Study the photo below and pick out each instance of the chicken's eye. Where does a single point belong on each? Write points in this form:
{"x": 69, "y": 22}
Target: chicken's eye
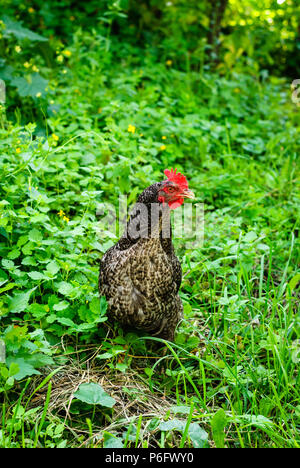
{"x": 171, "y": 189}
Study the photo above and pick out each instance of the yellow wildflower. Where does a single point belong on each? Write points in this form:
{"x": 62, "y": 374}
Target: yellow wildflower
{"x": 169, "y": 63}
{"x": 164, "y": 137}
{"x": 60, "y": 58}
{"x": 163, "y": 147}
{"x": 35, "y": 68}
{"x": 38, "y": 95}
{"x": 65, "y": 218}
{"x": 131, "y": 128}
{"x": 67, "y": 53}
{"x": 61, "y": 213}
{"x": 18, "y": 49}
{"x": 18, "y": 150}
{"x": 27, "y": 65}
{"x": 31, "y": 10}
{"x": 55, "y": 137}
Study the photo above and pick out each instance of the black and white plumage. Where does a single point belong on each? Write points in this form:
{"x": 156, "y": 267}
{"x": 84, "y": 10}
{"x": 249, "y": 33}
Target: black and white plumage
{"x": 140, "y": 275}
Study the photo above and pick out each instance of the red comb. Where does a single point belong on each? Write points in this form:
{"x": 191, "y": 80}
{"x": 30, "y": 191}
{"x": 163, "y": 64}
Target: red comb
{"x": 176, "y": 177}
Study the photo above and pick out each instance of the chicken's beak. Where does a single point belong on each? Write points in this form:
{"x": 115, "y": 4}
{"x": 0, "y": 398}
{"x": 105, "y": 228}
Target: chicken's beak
{"x": 188, "y": 194}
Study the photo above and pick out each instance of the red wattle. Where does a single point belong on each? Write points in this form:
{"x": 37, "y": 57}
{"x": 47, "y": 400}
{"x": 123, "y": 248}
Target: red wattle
{"x": 176, "y": 203}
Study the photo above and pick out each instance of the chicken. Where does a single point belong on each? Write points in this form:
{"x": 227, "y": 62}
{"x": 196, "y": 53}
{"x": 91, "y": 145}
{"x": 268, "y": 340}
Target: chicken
{"x": 140, "y": 275}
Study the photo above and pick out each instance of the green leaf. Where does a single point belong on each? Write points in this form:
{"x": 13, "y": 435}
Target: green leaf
{"x": 25, "y": 368}
{"x": 8, "y": 264}
{"x": 37, "y": 310}
{"x": 93, "y": 394}
{"x": 112, "y": 442}
{"x": 180, "y": 409}
{"x": 293, "y": 282}
{"x": 121, "y": 366}
{"x": 104, "y": 356}
{"x": 65, "y": 288}
{"x": 20, "y": 301}
{"x": 3, "y": 232}
{"x": 218, "y": 424}
{"x": 66, "y": 321}
{"x": 52, "y": 268}
{"x": 35, "y": 236}
{"x": 31, "y": 85}
{"x": 36, "y": 275}
{"x": 7, "y": 287}
{"x": 61, "y": 305}
{"x": 250, "y": 236}
{"x": 29, "y": 261}
{"x": 257, "y": 421}
{"x": 13, "y": 369}
{"x": 172, "y": 424}
{"x": 16, "y": 29}
{"x": 198, "y": 435}
{"x": 95, "y": 306}
{"x": 2, "y": 351}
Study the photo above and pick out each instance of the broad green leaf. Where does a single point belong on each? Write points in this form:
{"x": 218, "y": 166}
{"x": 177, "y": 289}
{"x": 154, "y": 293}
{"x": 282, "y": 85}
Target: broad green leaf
{"x": 32, "y": 85}
{"x": 95, "y": 306}
{"x": 25, "y": 368}
{"x": 93, "y": 394}
{"x": 35, "y": 236}
{"x": 218, "y": 424}
{"x": 8, "y": 264}
{"x": 65, "y": 288}
{"x": 7, "y": 287}
{"x": 198, "y": 435}
{"x": 104, "y": 356}
{"x": 66, "y": 321}
{"x": 61, "y": 305}
{"x": 293, "y": 282}
{"x": 29, "y": 261}
{"x": 172, "y": 424}
{"x": 3, "y": 232}
{"x": 16, "y": 29}
{"x": 121, "y": 366}
{"x": 112, "y": 442}
{"x": 36, "y": 275}
{"x": 250, "y": 236}
{"x": 20, "y": 301}
{"x": 52, "y": 268}
{"x": 180, "y": 409}
{"x": 258, "y": 421}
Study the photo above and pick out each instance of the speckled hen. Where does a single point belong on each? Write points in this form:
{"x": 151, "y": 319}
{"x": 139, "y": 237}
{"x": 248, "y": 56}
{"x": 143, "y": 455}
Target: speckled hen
{"x": 140, "y": 275}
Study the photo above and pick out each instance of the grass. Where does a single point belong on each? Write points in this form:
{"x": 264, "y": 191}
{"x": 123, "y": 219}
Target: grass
{"x": 231, "y": 377}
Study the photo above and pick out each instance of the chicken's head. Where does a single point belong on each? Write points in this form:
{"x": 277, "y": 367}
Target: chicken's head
{"x": 174, "y": 190}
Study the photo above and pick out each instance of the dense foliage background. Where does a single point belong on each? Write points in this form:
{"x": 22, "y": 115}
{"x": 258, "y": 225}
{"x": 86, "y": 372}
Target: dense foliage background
{"x": 97, "y": 99}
